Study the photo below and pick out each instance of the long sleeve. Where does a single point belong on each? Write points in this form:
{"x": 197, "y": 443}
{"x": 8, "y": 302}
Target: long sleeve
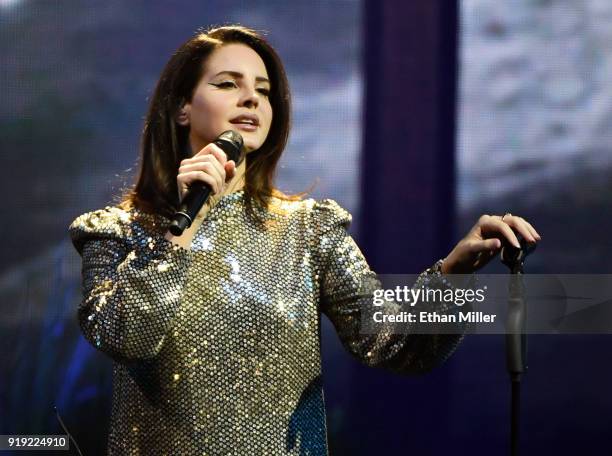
{"x": 132, "y": 282}
{"x": 347, "y": 286}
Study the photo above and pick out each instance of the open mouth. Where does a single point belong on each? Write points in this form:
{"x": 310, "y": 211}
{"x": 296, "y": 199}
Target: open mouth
{"x": 246, "y": 120}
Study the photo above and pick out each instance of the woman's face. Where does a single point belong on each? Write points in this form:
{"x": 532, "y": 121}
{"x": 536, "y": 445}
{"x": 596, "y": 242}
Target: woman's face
{"x": 231, "y": 95}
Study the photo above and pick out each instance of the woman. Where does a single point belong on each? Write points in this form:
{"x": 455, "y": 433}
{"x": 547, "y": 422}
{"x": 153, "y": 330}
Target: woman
{"x": 215, "y": 333}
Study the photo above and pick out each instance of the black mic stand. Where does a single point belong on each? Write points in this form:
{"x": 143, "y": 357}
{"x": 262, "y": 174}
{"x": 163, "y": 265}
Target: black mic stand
{"x": 516, "y": 338}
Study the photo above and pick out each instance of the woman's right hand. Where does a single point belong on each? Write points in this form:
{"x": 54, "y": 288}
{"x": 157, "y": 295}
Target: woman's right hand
{"x": 210, "y": 165}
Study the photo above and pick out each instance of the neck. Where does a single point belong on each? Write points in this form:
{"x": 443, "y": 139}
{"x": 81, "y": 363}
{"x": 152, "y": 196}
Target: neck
{"x": 234, "y": 185}
{"x": 237, "y": 182}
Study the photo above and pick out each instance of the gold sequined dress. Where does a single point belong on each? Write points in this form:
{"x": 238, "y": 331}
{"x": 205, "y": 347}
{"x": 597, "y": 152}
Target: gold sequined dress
{"x": 217, "y": 349}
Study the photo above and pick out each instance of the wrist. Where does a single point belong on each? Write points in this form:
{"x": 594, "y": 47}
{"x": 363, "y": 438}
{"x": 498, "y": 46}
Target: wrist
{"x": 444, "y": 266}
{"x": 457, "y": 279}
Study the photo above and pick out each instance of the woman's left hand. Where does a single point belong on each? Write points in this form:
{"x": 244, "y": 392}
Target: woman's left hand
{"x": 484, "y": 242}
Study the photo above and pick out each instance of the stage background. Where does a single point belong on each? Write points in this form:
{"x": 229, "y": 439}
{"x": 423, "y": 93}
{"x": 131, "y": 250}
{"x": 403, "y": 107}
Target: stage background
{"x": 415, "y": 116}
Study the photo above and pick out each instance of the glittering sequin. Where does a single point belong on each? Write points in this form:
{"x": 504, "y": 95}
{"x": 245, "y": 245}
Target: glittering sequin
{"x": 216, "y": 348}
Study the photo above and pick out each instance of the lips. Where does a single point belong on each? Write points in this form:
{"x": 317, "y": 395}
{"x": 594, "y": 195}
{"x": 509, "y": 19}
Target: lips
{"x": 247, "y": 119}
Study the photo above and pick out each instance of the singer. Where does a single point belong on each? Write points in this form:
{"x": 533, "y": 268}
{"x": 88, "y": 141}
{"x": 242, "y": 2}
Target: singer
{"x": 215, "y": 333}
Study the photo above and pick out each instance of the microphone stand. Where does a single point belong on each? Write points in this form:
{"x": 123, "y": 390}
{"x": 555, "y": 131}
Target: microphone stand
{"x": 516, "y": 338}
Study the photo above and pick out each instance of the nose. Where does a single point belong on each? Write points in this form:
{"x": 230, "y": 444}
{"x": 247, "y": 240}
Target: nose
{"x": 249, "y": 98}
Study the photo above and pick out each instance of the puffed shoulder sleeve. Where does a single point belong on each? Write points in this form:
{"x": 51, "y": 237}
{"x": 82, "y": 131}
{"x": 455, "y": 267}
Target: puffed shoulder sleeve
{"x": 347, "y": 285}
{"x": 132, "y": 282}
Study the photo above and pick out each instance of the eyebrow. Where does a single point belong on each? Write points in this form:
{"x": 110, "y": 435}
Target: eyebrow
{"x": 239, "y": 75}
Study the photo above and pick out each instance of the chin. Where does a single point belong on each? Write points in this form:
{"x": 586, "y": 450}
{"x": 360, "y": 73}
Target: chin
{"x": 251, "y": 146}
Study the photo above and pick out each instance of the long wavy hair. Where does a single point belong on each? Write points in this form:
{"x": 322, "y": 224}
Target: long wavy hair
{"x": 164, "y": 142}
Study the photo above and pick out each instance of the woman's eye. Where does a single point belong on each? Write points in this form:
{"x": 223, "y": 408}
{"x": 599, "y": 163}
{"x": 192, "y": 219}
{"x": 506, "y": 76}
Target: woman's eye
{"x": 232, "y": 84}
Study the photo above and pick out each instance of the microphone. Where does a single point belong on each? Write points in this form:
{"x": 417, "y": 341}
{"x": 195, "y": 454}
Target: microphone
{"x": 515, "y": 258}
{"x": 231, "y": 143}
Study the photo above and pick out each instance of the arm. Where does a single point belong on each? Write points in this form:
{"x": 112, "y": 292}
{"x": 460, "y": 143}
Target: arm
{"x": 347, "y": 285}
{"x": 132, "y": 283}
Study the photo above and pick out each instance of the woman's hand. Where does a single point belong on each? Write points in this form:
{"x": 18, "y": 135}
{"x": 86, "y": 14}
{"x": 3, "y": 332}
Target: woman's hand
{"x": 210, "y": 165}
{"x": 484, "y": 242}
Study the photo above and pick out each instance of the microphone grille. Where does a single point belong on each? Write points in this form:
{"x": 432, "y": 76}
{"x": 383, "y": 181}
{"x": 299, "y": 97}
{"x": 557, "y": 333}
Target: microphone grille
{"x": 231, "y": 142}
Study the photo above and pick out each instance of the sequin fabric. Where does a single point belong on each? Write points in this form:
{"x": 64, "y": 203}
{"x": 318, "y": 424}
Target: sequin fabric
{"x": 216, "y": 348}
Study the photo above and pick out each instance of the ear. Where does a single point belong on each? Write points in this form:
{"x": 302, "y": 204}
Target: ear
{"x": 184, "y": 114}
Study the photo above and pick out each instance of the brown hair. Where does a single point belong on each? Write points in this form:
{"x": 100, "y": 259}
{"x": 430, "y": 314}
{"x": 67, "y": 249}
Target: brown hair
{"x": 163, "y": 141}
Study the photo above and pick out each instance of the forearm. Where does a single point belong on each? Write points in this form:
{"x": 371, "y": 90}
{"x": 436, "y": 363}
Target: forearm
{"x": 402, "y": 346}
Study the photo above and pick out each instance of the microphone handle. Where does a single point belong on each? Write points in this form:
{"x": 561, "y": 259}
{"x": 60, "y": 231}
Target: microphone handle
{"x": 192, "y": 203}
